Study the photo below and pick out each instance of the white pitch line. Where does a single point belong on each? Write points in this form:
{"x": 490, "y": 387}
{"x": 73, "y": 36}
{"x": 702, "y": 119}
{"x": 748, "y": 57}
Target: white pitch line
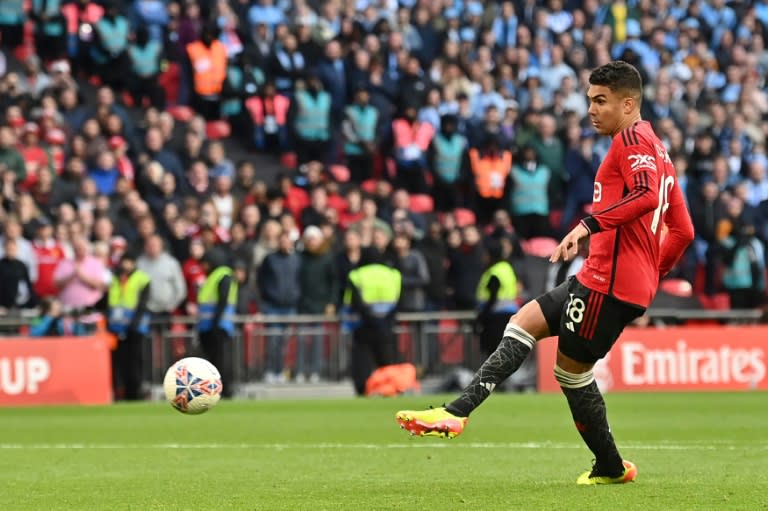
{"x": 406, "y": 445}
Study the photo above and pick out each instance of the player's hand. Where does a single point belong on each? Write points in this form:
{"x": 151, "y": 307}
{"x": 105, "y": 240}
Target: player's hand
{"x": 569, "y": 247}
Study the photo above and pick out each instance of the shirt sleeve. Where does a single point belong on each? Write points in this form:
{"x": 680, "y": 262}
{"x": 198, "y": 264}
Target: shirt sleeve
{"x": 680, "y": 231}
{"x": 638, "y": 167}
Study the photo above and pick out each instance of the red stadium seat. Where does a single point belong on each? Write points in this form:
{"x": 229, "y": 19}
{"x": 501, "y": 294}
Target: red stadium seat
{"x": 716, "y": 302}
{"x": 422, "y": 203}
{"x": 540, "y": 246}
{"x": 170, "y": 81}
{"x": 340, "y": 173}
{"x": 216, "y": 130}
{"x": 289, "y": 161}
{"x": 464, "y": 217}
{"x": 677, "y": 287}
{"x": 181, "y": 113}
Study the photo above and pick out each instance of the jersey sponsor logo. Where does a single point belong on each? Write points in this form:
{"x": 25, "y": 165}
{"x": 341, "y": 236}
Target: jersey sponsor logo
{"x": 642, "y": 161}
{"x": 597, "y": 194}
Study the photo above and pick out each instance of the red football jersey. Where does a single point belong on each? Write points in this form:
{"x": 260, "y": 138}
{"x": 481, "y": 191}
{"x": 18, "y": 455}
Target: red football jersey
{"x": 635, "y": 194}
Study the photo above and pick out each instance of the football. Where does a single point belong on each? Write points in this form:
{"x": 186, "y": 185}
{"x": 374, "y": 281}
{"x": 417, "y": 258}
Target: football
{"x": 192, "y": 385}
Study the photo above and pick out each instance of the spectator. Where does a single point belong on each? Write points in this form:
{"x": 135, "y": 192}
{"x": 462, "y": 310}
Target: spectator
{"x": 466, "y": 266}
{"x": 332, "y": 73}
{"x": 310, "y": 116}
{"x": 49, "y": 254}
{"x": 279, "y": 289}
{"x": 359, "y": 130}
{"x": 81, "y": 281}
{"x": 435, "y": 252}
{"x": 287, "y": 65}
{"x": 551, "y": 154}
{"x": 169, "y": 289}
{"x": 11, "y": 160}
{"x": 17, "y": 291}
{"x": 219, "y": 164}
{"x": 269, "y": 114}
{"x": 414, "y": 271}
{"x": 111, "y": 43}
{"x": 529, "y": 199}
{"x": 448, "y": 159}
{"x": 319, "y": 285}
{"x": 208, "y": 67}
{"x": 490, "y": 170}
{"x": 24, "y": 250}
{"x": 194, "y": 274}
{"x": 145, "y": 57}
{"x": 411, "y": 140}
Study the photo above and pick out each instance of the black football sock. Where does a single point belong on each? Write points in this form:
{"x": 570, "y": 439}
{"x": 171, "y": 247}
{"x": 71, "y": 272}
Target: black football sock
{"x": 589, "y": 415}
{"x": 511, "y": 352}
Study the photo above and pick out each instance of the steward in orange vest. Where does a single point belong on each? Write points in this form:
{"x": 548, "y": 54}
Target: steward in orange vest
{"x": 208, "y": 64}
{"x": 490, "y": 168}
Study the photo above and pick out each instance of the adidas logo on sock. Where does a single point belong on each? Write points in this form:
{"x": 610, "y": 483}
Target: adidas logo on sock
{"x": 489, "y": 386}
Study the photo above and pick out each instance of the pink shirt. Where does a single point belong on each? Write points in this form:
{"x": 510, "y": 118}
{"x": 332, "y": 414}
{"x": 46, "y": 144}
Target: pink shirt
{"x": 76, "y": 293}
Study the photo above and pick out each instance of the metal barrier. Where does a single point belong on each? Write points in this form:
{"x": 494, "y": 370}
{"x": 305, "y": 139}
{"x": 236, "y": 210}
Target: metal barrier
{"x": 432, "y": 341}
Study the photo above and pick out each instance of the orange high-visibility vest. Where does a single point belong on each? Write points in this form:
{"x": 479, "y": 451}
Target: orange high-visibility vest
{"x": 209, "y": 67}
{"x": 490, "y": 173}
{"x": 279, "y": 109}
{"x": 418, "y": 133}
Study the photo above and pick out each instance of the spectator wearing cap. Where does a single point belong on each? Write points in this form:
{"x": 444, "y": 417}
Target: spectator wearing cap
{"x": 319, "y": 284}
{"x": 310, "y": 121}
{"x": 123, "y": 163}
{"x": 360, "y": 133}
{"x": 11, "y": 159}
{"x": 169, "y": 288}
{"x": 145, "y": 56}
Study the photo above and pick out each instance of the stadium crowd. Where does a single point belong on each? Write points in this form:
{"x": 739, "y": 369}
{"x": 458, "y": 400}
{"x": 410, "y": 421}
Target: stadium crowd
{"x": 419, "y": 128}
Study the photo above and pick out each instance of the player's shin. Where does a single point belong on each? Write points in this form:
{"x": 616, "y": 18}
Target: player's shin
{"x": 589, "y": 415}
{"x": 510, "y": 354}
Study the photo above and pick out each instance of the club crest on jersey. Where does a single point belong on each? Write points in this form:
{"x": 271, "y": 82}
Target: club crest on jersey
{"x": 642, "y": 161}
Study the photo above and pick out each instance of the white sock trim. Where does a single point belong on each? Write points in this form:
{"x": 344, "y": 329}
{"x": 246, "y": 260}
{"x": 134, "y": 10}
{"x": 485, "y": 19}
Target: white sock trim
{"x": 515, "y": 332}
{"x": 573, "y": 381}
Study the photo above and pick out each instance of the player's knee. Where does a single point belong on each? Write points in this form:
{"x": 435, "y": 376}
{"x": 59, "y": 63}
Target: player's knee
{"x": 568, "y": 380}
{"x": 531, "y": 320}
{"x": 515, "y": 331}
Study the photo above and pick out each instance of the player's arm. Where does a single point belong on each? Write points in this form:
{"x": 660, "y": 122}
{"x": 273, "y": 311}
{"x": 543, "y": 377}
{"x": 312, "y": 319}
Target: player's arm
{"x": 679, "y": 231}
{"x": 638, "y": 166}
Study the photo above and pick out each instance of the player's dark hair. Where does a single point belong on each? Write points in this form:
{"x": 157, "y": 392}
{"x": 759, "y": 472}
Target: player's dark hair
{"x": 619, "y": 76}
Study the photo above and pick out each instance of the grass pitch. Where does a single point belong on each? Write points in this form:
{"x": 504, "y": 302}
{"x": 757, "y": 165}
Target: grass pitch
{"x": 693, "y": 451}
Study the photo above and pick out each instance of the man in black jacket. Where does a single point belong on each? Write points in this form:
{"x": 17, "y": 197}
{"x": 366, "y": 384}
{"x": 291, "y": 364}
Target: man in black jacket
{"x": 16, "y": 290}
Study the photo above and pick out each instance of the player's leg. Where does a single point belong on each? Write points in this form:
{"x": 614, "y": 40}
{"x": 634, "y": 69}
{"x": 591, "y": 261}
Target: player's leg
{"x": 535, "y": 320}
{"x": 590, "y": 324}
{"x": 589, "y": 415}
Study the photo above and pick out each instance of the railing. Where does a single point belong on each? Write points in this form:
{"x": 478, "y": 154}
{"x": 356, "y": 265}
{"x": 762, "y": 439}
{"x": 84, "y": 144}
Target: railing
{"x": 432, "y": 341}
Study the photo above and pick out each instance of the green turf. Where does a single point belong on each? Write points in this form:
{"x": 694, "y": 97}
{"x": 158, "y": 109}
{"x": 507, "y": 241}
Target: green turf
{"x": 694, "y": 452}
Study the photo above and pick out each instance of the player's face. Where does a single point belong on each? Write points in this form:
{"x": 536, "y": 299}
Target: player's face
{"x": 607, "y": 109}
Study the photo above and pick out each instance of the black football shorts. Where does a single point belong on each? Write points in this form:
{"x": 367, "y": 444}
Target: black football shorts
{"x": 586, "y": 322}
